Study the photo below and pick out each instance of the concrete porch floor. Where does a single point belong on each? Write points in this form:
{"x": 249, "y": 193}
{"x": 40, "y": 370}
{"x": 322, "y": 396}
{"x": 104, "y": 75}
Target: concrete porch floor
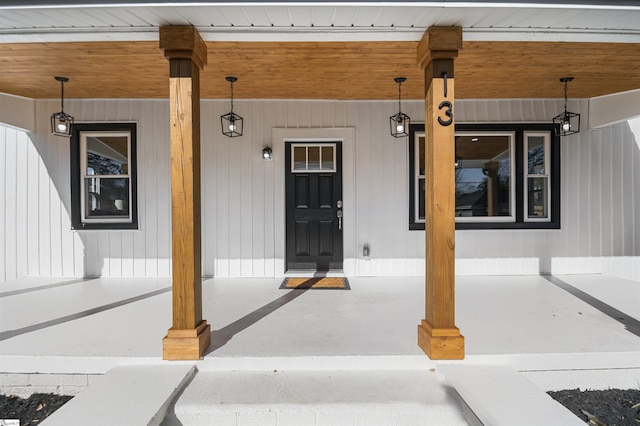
{"x": 581, "y": 331}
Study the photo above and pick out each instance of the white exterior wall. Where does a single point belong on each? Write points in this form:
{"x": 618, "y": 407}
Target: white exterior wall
{"x": 241, "y": 221}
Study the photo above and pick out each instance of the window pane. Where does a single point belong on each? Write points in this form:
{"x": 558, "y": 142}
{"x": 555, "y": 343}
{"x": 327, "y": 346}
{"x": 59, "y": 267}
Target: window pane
{"x": 106, "y": 197}
{"x": 537, "y": 197}
{"x": 421, "y": 168}
{"x": 421, "y": 194}
{"x": 327, "y": 158}
{"x": 314, "y": 158}
{"x": 107, "y": 155}
{"x": 299, "y": 158}
{"x": 483, "y": 182}
{"x": 536, "y": 155}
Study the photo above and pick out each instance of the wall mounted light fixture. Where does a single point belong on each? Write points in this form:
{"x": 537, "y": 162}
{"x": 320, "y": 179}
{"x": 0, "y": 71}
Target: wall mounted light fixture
{"x": 266, "y": 153}
{"x": 569, "y": 122}
{"x": 60, "y": 122}
{"x": 399, "y": 122}
{"x": 231, "y": 122}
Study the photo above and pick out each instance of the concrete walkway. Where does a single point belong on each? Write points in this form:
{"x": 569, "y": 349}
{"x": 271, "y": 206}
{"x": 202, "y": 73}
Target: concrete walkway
{"x": 555, "y": 337}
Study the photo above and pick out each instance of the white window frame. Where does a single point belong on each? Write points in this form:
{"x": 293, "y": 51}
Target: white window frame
{"x": 84, "y": 176}
{"x": 313, "y": 145}
{"x": 547, "y": 174}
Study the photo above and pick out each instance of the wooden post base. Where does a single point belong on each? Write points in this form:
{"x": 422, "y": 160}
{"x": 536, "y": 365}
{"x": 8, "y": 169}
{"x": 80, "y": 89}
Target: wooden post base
{"x": 440, "y": 343}
{"x": 189, "y": 344}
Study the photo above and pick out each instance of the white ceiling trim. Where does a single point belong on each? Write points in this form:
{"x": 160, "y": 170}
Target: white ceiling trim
{"x": 434, "y": 4}
{"x": 318, "y": 34}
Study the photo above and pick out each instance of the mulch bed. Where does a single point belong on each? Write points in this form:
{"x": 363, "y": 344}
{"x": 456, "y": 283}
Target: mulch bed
{"x": 612, "y": 407}
{"x": 33, "y": 410}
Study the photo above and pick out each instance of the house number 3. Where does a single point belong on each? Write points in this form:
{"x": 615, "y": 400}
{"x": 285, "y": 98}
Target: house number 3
{"x": 448, "y": 106}
{"x": 448, "y": 112}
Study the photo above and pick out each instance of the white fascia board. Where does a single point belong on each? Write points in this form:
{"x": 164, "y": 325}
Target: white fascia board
{"x": 610, "y": 109}
{"x": 18, "y": 112}
{"x": 319, "y": 34}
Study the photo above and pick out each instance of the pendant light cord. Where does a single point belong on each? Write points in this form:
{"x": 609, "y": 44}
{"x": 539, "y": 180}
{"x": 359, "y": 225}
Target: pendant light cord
{"x": 62, "y": 96}
{"x": 399, "y": 97}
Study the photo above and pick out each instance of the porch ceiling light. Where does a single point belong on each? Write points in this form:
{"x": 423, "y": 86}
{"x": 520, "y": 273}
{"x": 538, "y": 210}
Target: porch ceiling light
{"x": 569, "y": 122}
{"x": 231, "y": 122}
{"x": 266, "y": 153}
{"x": 399, "y": 122}
{"x": 60, "y": 122}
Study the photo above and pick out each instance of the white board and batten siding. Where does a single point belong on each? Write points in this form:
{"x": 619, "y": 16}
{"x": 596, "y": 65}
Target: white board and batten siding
{"x": 242, "y": 219}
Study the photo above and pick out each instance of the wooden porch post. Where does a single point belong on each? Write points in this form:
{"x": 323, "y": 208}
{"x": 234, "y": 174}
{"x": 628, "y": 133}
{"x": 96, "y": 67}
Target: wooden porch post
{"x": 189, "y": 335}
{"x": 438, "y": 336}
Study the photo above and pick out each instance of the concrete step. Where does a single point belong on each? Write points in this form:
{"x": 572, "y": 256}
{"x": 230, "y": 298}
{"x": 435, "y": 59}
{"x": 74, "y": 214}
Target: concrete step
{"x": 500, "y": 396}
{"x": 318, "y": 398}
{"x": 126, "y": 395}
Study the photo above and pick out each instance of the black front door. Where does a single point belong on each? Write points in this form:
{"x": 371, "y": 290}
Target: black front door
{"x": 314, "y": 205}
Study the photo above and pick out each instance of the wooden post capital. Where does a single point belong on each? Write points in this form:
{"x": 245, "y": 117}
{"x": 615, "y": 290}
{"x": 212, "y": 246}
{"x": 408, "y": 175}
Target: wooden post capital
{"x": 183, "y": 42}
{"x": 439, "y": 43}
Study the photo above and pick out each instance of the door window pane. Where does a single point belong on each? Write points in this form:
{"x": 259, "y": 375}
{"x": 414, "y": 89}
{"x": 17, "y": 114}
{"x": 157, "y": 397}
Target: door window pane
{"x": 299, "y": 158}
{"x": 328, "y": 158}
{"x": 313, "y": 159}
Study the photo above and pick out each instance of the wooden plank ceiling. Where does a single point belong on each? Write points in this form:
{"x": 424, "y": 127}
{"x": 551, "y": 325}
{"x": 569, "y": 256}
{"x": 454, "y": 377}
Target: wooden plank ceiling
{"x": 322, "y": 70}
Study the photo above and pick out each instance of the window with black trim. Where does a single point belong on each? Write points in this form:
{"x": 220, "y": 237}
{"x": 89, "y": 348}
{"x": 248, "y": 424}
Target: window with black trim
{"x": 103, "y": 176}
{"x": 507, "y": 176}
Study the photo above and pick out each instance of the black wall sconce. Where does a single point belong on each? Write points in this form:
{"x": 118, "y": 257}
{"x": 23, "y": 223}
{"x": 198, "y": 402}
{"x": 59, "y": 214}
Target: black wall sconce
{"x": 60, "y": 122}
{"x": 266, "y": 153}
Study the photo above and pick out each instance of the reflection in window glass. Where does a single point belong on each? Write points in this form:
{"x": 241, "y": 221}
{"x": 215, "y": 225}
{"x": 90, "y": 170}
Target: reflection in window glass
{"x": 106, "y": 197}
{"x": 421, "y": 168}
{"x": 105, "y": 177}
{"x": 107, "y": 155}
{"x": 536, "y": 155}
{"x": 537, "y": 197}
{"x": 421, "y": 203}
{"x": 537, "y": 180}
{"x": 483, "y": 178}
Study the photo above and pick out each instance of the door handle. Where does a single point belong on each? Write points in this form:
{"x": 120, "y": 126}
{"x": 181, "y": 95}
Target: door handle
{"x": 339, "y": 220}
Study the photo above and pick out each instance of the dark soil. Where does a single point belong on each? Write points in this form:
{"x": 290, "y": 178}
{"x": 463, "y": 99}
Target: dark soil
{"x": 33, "y": 410}
{"x": 613, "y": 407}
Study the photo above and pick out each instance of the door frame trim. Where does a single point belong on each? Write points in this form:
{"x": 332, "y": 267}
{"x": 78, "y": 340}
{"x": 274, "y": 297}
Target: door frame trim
{"x": 346, "y": 135}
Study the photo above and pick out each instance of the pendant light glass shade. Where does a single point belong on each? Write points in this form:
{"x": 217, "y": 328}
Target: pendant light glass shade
{"x": 231, "y": 122}
{"x": 399, "y": 123}
{"x": 568, "y": 122}
{"x": 61, "y": 123}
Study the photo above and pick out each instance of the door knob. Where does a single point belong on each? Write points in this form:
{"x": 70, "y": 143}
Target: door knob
{"x": 340, "y": 220}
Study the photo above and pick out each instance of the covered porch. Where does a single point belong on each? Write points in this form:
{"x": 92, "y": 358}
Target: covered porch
{"x": 560, "y": 332}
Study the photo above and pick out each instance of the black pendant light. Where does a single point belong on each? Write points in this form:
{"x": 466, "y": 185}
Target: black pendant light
{"x": 60, "y": 122}
{"x": 568, "y": 122}
{"x": 399, "y": 122}
{"x": 231, "y": 122}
